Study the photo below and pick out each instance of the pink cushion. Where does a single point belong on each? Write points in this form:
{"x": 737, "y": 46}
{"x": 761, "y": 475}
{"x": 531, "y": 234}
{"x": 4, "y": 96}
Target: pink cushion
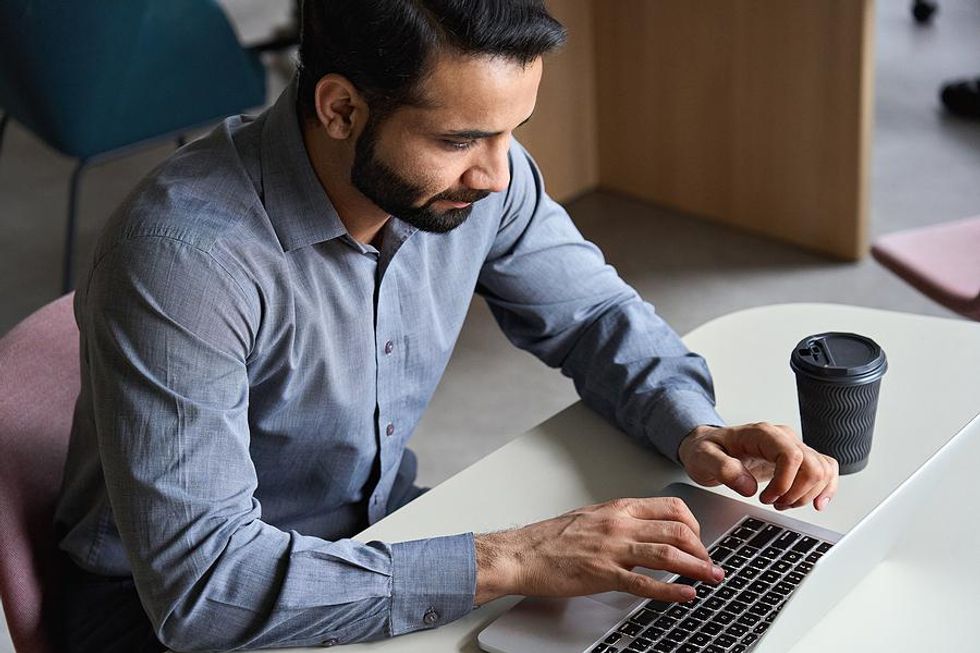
{"x": 943, "y": 261}
{"x": 39, "y": 382}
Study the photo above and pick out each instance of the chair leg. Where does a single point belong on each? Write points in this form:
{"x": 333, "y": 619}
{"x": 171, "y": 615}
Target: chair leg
{"x": 4, "y": 118}
{"x": 67, "y": 281}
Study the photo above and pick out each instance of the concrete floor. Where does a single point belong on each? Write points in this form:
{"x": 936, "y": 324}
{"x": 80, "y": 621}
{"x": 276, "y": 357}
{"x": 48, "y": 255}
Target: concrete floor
{"x": 926, "y": 169}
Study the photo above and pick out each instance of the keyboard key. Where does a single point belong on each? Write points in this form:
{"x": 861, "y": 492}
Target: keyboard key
{"x": 739, "y": 648}
{"x": 771, "y": 552}
{"x": 679, "y": 611}
{"x": 677, "y": 635}
{"x": 766, "y": 535}
{"x": 804, "y": 567}
{"x": 702, "y": 613}
{"x": 602, "y": 648}
{"x": 748, "y": 620}
{"x": 704, "y": 591}
{"x": 737, "y": 607}
{"x": 760, "y": 609}
{"x": 711, "y": 629}
{"x": 792, "y": 556}
{"x": 731, "y": 543}
{"x": 784, "y": 540}
{"x": 749, "y": 639}
{"x": 824, "y": 547}
{"x": 665, "y": 622}
{"x": 657, "y": 606}
{"x": 749, "y": 573}
{"x": 754, "y": 524}
{"x": 783, "y": 588}
{"x": 748, "y": 597}
{"x": 725, "y": 641}
{"x": 719, "y": 553}
{"x": 725, "y": 592}
{"x": 714, "y": 649}
{"x": 653, "y": 633}
{"x": 772, "y": 598}
{"x": 805, "y": 544}
{"x": 691, "y": 624}
{"x": 748, "y": 551}
{"x": 781, "y": 567}
{"x": 644, "y": 617}
{"x": 612, "y": 639}
{"x": 770, "y": 577}
{"x": 725, "y": 618}
{"x": 743, "y": 533}
{"x": 736, "y": 630}
{"x": 714, "y": 603}
{"x": 813, "y": 557}
{"x": 699, "y": 639}
{"x": 760, "y": 628}
{"x": 689, "y": 648}
{"x": 737, "y": 582}
{"x": 642, "y": 644}
{"x": 665, "y": 645}
{"x": 736, "y": 561}
{"x": 759, "y": 563}
{"x": 759, "y": 587}
{"x": 630, "y": 629}
{"x": 793, "y": 578}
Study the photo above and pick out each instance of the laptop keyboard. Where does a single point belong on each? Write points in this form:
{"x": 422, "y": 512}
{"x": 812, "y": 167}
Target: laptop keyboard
{"x": 763, "y": 564}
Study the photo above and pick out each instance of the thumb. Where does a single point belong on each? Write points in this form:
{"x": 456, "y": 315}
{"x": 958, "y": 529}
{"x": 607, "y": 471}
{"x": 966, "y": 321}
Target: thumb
{"x": 715, "y": 466}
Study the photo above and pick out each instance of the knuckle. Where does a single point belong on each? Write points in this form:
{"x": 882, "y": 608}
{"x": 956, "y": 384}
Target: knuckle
{"x": 620, "y": 505}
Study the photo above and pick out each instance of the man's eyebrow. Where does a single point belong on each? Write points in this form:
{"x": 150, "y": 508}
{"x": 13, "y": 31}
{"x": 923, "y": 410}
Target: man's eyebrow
{"x": 473, "y": 134}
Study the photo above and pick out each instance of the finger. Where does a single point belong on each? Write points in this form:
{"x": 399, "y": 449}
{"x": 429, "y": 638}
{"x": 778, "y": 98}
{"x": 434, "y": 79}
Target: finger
{"x": 811, "y": 474}
{"x": 664, "y": 557}
{"x": 779, "y": 447}
{"x": 674, "y": 533}
{"x": 713, "y": 464}
{"x": 661, "y": 509}
{"x": 640, "y": 585}
{"x": 821, "y": 501}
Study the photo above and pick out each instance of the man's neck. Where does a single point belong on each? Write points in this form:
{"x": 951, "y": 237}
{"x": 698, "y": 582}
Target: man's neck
{"x": 332, "y": 162}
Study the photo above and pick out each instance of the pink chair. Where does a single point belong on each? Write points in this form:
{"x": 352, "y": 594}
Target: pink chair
{"x": 39, "y": 382}
{"x": 942, "y": 261}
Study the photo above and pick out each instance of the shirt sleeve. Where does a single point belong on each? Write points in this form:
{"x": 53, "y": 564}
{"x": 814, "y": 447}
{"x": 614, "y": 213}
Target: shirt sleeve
{"x": 553, "y": 295}
{"x": 166, "y": 336}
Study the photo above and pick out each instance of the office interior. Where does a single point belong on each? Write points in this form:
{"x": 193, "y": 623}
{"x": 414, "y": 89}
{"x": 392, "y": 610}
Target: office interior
{"x": 702, "y": 201}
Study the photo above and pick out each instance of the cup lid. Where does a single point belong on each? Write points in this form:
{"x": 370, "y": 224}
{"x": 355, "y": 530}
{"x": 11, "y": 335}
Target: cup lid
{"x": 839, "y": 356}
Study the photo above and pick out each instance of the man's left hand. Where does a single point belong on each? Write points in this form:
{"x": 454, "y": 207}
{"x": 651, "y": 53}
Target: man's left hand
{"x": 741, "y": 457}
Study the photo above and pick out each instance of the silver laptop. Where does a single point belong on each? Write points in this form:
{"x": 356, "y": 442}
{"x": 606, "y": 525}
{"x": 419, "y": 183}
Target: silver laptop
{"x": 782, "y": 576}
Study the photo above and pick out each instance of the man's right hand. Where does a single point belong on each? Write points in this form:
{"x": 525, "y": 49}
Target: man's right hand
{"x": 594, "y": 549}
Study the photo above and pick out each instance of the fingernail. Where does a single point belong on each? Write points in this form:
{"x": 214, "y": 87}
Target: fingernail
{"x": 690, "y": 594}
{"x": 717, "y": 572}
{"x": 780, "y": 507}
{"x": 822, "y": 502}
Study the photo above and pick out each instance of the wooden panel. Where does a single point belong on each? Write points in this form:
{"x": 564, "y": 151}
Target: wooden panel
{"x": 562, "y": 134}
{"x": 756, "y": 113}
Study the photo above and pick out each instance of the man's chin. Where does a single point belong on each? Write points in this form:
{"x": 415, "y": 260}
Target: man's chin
{"x": 440, "y": 222}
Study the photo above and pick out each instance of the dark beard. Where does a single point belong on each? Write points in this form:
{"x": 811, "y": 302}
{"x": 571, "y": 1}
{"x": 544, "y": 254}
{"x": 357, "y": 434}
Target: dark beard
{"x": 397, "y": 196}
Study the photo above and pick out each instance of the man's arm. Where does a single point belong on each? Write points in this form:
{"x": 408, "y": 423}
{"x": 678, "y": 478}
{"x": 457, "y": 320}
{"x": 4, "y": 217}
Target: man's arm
{"x": 166, "y": 334}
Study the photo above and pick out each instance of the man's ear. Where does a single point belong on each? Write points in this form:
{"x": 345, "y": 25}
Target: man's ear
{"x": 340, "y": 108}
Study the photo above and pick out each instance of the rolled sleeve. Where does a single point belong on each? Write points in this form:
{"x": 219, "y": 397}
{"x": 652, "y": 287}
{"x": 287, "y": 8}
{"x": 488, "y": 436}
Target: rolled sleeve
{"x": 433, "y": 582}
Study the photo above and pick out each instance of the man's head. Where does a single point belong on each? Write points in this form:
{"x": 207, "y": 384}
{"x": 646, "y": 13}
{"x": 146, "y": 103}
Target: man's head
{"x": 426, "y": 93}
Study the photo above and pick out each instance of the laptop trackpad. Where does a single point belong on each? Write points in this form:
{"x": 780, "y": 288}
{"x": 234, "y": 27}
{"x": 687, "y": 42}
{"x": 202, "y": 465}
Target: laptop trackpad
{"x": 556, "y": 625}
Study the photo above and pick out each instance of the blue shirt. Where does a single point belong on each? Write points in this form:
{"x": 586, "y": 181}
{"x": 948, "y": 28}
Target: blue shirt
{"x": 251, "y": 376}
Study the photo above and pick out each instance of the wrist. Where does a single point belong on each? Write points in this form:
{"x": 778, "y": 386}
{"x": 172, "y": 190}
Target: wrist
{"x": 690, "y": 439}
{"x": 495, "y": 565}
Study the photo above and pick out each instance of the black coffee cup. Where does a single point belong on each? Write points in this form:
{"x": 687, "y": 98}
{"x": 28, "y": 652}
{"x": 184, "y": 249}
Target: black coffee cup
{"x": 838, "y": 376}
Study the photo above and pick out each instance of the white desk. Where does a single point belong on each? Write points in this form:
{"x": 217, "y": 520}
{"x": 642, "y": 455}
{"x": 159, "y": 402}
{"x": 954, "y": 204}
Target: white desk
{"x": 931, "y": 390}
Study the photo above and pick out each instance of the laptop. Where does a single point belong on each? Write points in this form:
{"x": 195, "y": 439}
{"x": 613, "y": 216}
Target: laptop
{"x": 782, "y": 576}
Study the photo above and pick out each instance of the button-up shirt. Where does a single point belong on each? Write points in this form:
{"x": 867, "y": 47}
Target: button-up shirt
{"x": 251, "y": 375}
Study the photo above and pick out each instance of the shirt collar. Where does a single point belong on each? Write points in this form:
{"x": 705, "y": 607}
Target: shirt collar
{"x": 298, "y": 207}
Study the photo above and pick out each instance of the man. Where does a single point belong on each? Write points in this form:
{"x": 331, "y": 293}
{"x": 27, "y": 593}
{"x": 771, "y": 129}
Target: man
{"x": 268, "y": 314}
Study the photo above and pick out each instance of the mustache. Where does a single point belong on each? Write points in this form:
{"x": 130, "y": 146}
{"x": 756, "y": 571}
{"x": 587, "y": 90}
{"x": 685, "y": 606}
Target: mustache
{"x": 466, "y": 197}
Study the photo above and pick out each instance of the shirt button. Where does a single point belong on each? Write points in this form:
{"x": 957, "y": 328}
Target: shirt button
{"x": 389, "y": 347}
{"x": 390, "y": 430}
{"x": 329, "y": 642}
{"x": 430, "y": 617}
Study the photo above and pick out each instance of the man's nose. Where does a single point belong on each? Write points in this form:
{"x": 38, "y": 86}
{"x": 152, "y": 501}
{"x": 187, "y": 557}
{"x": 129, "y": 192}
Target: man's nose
{"x": 492, "y": 171}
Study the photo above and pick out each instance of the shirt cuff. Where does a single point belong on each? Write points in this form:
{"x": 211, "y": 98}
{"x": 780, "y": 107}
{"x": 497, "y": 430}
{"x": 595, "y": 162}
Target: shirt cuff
{"x": 433, "y": 582}
{"x": 675, "y": 416}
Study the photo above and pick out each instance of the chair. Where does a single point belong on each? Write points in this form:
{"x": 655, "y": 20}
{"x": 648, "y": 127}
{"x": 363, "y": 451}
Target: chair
{"x": 94, "y": 79}
{"x": 39, "y": 382}
{"x": 942, "y": 261}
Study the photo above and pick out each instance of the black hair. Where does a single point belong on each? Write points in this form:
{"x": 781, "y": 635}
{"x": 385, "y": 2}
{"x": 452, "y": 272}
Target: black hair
{"x": 385, "y": 48}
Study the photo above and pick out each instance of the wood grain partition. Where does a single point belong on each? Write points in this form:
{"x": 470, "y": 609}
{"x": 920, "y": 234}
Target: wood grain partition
{"x": 754, "y": 113}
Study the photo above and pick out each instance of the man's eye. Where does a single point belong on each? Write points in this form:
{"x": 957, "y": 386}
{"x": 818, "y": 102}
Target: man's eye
{"x": 458, "y": 145}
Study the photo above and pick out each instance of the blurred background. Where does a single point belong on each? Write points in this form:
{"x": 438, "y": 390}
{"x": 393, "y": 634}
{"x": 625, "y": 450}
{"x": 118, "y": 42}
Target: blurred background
{"x": 722, "y": 155}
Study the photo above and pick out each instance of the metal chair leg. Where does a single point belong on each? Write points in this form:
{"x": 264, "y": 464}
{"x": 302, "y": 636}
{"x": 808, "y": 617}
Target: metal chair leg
{"x": 4, "y": 118}
{"x": 67, "y": 280}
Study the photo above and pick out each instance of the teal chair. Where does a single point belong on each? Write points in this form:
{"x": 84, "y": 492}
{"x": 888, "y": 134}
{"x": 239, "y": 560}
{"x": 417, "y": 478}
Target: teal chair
{"x": 95, "y": 78}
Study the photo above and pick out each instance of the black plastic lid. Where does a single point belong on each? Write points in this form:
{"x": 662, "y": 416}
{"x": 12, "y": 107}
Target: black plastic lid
{"x": 840, "y": 357}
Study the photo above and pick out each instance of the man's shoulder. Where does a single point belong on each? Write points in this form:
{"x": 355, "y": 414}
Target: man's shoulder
{"x": 203, "y": 194}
